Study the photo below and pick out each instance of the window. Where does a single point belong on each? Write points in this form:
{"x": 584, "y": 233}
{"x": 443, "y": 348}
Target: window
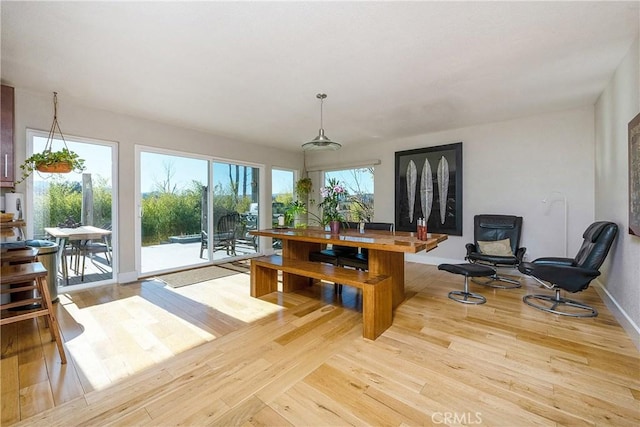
{"x": 359, "y": 185}
{"x": 281, "y": 192}
{"x": 282, "y": 182}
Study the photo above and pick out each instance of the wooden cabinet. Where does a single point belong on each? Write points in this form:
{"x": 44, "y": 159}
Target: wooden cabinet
{"x": 6, "y": 138}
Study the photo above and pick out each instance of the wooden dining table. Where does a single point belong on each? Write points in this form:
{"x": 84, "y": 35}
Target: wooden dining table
{"x": 83, "y": 233}
{"x": 386, "y": 250}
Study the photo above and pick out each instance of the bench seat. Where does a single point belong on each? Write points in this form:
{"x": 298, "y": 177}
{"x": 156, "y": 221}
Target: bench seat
{"x": 376, "y": 288}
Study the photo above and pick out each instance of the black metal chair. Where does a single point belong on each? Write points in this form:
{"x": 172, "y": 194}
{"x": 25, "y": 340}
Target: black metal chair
{"x": 92, "y": 247}
{"x": 359, "y": 259}
{"x": 226, "y": 233}
{"x": 330, "y": 255}
{"x": 571, "y": 274}
{"x": 204, "y": 242}
{"x": 224, "y": 236}
{"x": 497, "y": 245}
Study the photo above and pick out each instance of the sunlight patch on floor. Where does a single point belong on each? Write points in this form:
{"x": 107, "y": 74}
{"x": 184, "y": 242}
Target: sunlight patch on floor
{"x": 140, "y": 335}
{"x": 230, "y": 296}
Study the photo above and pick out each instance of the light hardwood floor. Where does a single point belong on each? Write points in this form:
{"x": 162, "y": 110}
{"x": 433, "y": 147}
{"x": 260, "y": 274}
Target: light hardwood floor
{"x": 208, "y": 354}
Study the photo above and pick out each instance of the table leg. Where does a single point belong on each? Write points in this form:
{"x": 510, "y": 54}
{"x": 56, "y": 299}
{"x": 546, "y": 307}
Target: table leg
{"x": 62, "y": 260}
{"x": 263, "y": 280}
{"x": 390, "y": 264}
{"x": 108, "y": 254}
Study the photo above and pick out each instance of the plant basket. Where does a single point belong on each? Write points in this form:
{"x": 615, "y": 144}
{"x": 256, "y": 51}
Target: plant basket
{"x": 63, "y": 167}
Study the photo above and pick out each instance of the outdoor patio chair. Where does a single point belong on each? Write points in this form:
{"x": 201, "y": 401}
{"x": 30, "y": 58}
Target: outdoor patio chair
{"x": 224, "y": 236}
{"x": 92, "y": 247}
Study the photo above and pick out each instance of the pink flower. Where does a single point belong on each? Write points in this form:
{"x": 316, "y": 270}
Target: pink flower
{"x": 332, "y": 195}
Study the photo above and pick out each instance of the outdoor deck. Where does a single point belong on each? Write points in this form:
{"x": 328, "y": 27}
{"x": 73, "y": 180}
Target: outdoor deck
{"x": 161, "y": 257}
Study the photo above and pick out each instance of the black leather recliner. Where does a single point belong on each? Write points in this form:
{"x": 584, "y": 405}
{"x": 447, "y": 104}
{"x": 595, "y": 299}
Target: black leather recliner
{"x": 571, "y": 274}
{"x": 488, "y": 229}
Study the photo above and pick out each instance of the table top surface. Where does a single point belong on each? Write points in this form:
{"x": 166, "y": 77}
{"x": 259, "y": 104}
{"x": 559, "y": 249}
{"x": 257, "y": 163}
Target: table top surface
{"x": 392, "y": 241}
{"x": 79, "y": 233}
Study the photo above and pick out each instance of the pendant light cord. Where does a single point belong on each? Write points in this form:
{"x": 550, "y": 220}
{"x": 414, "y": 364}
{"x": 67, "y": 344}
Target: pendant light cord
{"x": 49, "y": 145}
{"x": 321, "y": 97}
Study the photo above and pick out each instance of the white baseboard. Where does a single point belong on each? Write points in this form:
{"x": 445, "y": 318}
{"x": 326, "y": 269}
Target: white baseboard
{"x": 422, "y": 259}
{"x": 621, "y": 316}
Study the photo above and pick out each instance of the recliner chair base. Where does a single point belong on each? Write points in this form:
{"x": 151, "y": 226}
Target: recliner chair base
{"x": 467, "y": 270}
{"x": 467, "y": 297}
{"x": 556, "y": 301}
{"x": 495, "y": 278}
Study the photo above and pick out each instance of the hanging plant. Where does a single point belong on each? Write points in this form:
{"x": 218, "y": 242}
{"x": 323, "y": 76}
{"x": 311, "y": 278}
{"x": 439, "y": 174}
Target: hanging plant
{"x": 63, "y": 161}
{"x": 49, "y": 161}
{"x": 303, "y": 187}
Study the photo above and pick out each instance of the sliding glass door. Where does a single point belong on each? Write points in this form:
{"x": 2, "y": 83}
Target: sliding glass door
{"x": 235, "y": 209}
{"x": 194, "y": 211}
{"x": 84, "y": 203}
{"x": 173, "y": 222}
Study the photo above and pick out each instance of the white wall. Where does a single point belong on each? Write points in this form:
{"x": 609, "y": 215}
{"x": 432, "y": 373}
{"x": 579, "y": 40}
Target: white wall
{"x": 508, "y": 168}
{"x": 618, "y": 104}
{"x": 35, "y": 111}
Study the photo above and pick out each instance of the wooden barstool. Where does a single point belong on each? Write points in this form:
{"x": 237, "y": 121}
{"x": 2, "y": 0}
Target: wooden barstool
{"x": 31, "y": 276}
{"x": 18, "y": 256}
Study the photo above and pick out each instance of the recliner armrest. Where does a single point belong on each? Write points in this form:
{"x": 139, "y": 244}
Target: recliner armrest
{"x": 520, "y": 253}
{"x": 571, "y": 279}
{"x": 554, "y": 261}
{"x": 471, "y": 248}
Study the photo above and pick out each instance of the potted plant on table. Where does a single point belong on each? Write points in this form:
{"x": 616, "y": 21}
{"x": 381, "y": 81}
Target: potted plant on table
{"x": 332, "y": 195}
{"x": 297, "y": 211}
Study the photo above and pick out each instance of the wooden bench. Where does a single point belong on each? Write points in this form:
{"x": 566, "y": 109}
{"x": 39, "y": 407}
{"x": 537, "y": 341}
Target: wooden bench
{"x": 376, "y": 289}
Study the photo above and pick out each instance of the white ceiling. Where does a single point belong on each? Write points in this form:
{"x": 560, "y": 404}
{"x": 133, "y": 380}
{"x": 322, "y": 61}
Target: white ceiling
{"x": 251, "y": 70}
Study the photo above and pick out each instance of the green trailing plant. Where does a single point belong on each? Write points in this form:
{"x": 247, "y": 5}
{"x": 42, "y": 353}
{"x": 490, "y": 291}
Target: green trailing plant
{"x": 303, "y": 187}
{"x": 49, "y": 159}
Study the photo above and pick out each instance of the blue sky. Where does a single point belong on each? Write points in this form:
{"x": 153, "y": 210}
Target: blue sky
{"x": 185, "y": 170}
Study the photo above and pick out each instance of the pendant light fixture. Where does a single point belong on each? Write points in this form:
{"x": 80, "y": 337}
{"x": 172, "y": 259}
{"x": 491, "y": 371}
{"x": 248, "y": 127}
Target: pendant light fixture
{"x": 321, "y": 142}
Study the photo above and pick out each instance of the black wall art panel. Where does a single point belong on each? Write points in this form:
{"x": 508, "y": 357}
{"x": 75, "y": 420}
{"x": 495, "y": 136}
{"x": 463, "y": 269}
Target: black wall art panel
{"x": 429, "y": 185}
